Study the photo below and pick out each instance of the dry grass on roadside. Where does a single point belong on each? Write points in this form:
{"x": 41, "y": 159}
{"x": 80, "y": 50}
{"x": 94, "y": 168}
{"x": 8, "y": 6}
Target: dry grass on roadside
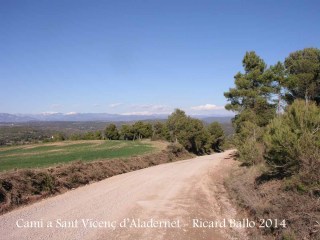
{"x": 271, "y": 200}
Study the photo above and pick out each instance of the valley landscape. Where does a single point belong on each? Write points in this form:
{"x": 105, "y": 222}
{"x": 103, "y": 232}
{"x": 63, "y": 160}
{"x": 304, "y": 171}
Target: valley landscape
{"x": 159, "y": 120}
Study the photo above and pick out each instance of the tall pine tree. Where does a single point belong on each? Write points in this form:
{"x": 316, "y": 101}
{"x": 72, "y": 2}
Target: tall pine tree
{"x": 251, "y": 98}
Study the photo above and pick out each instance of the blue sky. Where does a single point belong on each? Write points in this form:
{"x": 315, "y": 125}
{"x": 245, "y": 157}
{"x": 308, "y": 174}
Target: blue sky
{"x": 140, "y": 56}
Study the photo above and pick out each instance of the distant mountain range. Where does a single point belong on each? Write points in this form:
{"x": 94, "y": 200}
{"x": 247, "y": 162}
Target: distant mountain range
{"x": 88, "y": 117}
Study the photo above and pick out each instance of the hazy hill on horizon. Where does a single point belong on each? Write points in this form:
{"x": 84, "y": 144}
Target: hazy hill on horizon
{"x": 94, "y": 117}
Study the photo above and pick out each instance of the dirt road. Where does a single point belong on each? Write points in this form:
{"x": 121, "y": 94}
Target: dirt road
{"x": 168, "y": 201}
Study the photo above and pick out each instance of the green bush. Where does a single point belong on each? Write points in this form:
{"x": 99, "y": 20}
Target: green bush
{"x": 248, "y": 143}
{"x": 293, "y": 141}
{"x": 216, "y": 137}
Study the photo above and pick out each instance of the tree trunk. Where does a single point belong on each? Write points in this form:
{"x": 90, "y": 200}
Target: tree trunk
{"x": 279, "y": 104}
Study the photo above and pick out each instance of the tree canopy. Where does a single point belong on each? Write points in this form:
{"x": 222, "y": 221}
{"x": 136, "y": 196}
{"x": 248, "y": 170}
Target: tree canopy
{"x": 111, "y": 132}
{"x": 303, "y": 80}
{"x": 252, "y": 94}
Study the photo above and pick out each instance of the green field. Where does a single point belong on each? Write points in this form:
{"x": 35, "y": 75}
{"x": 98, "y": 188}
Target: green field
{"x": 44, "y": 155}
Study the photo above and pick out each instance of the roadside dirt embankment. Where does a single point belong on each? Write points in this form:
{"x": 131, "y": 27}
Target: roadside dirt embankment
{"x": 26, "y": 186}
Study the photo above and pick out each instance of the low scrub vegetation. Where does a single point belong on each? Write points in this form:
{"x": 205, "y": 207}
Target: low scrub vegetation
{"x": 292, "y": 142}
{"x": 273, "y": 199}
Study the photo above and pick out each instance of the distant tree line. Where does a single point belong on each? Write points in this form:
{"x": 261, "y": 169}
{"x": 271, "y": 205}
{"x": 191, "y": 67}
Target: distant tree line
{"x": 137, "y": 131}
{"x": 189, "y": 132}
{"x": 16, "y": 135}
{"x": 277, "y": 118}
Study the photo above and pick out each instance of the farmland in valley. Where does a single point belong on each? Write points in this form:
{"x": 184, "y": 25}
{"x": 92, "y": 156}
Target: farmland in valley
{"x": 44, "y": 155}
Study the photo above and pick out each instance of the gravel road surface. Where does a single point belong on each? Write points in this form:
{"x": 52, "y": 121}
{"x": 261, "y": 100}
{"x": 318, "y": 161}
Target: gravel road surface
{"x": 170, "y": 201}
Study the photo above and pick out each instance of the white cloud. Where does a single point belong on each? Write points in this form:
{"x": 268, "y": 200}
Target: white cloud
{"x": 113, "y": 105}
{"x": 49, "y": 113}
{"x": 96, "y": 105}
{"x": 70, "y": 113}
{"x": 144, "y": 113}
{"x": 137, "y": 113}
{"x": 207, "y": 107}
{"x": 152, "y": 107}
{"x": 148, "y": 109}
